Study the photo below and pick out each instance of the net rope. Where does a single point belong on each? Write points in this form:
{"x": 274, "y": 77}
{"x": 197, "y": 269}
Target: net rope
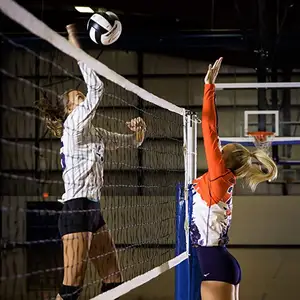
{"x": 138, "y": 194}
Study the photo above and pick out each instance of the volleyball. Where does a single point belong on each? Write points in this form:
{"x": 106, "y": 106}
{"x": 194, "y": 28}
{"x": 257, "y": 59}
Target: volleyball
{"x": 104, "y": 28}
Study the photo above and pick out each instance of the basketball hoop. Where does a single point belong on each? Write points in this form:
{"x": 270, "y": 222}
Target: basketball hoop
{"x": 263, "y": 140}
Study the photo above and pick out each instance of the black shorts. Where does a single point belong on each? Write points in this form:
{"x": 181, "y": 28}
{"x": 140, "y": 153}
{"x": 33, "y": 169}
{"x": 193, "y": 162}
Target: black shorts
{"x": 80, "y": 215}
{"x": 217, "y": 264}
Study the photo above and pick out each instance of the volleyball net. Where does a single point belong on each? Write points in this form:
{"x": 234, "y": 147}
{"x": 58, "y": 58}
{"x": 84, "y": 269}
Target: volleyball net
{"x": 138, "y": 198}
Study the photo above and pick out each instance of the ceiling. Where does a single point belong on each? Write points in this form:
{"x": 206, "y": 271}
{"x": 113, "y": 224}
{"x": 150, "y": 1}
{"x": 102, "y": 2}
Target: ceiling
{"x": 250, "y": 33}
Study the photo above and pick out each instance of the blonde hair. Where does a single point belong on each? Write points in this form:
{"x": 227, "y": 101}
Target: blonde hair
{"x": 246, "y": 169}
{"x": 54, "y": 114}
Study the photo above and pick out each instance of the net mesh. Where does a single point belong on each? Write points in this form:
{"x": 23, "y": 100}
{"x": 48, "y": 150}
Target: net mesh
{"x": 262, "y": 140}
{"x": 138, "y": 195}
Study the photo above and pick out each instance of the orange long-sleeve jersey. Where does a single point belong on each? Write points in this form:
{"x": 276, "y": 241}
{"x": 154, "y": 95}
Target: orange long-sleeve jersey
{"x": 212, "y": 205}
{"x": 213, "y": 186}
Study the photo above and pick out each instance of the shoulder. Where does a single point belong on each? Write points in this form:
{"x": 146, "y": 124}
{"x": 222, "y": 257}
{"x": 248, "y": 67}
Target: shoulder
{"x": 229, "y": 177}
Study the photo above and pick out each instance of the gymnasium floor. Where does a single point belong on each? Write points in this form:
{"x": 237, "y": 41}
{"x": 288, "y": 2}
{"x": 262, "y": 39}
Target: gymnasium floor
{"x": 268, "y": 274}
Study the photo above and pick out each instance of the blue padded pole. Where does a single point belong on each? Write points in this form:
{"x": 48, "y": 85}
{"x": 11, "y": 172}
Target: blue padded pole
{"x": 195, "y": 272}
{"x": 182, "y": 270}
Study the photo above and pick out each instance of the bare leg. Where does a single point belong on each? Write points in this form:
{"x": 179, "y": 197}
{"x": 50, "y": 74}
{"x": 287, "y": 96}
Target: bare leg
{"x": 216, "y": 290}
{"x": 237, "y": 292}
{"x": 76, "y": 247}
{"x": 104, "y": 256}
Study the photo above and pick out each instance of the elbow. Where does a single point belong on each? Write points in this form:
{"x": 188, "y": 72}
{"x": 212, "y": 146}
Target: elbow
{"x": 207, "y": 123}
{"x": 207, "y": 117}
{"x": 96, "y": 86}
{"x": 204, "y": 121}
{"x": 99, "y": 88}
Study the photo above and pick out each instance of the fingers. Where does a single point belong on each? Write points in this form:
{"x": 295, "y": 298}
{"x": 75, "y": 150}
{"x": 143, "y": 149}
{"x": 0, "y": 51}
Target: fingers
{"x": 136, "y": 124}
{"x": 215, "y": 64}
{"x": 216, "y": 68}
{"x": 213, "y": 71}
{"x": 218, "y": 63}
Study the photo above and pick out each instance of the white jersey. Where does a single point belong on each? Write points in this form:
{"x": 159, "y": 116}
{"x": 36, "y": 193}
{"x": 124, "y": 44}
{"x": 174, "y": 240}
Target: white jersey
{"x": 82, "y": 145}
{"x": 210, "y": 223}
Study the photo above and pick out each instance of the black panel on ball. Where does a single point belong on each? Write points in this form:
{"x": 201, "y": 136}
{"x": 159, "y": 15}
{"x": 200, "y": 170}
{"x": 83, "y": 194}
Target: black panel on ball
{"x": 97, "y": 27}
{"x": 99, "y": 30}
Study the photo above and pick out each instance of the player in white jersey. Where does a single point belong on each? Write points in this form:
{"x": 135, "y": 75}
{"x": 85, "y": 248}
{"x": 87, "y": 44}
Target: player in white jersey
{"x": 81, "y": 225}
{"x": 212, "y": 199}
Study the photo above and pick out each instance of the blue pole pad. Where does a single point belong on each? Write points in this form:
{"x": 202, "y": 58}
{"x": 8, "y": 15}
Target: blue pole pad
{"x": 195, "y": 272}
{"x": 182, "y": 270}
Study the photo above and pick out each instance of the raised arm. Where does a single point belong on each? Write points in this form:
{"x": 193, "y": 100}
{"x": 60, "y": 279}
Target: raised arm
{"x": 215, "y": 162}
{"x": 83, "y": 114}
{"x": 113, "y": 140}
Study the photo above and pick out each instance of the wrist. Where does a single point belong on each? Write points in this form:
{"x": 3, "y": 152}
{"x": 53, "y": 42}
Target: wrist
{"x": 139, "y": 136}
{"x": 71, "y": 28}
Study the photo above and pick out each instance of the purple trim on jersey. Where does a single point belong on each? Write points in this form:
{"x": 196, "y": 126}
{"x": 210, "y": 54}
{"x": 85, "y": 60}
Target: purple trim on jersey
{"x": 195, "y": 235}
{"x": 62, "y": 158}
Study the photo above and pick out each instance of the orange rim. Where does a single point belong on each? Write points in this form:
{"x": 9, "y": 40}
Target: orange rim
{"x": 261, "y": 135}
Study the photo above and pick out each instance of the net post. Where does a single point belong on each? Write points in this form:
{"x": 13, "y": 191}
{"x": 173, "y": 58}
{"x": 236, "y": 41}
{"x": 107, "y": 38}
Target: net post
{"x": 246, "y": 130}
{"x": 194, "y": 269}
{"x": 190, "y": 166}
{"x": 184, "y": 285}
{"x": 182, "y": 282}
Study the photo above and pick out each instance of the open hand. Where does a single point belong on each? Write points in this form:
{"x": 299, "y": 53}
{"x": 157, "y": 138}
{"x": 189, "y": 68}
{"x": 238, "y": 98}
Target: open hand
{"x": 137, "y": 124}
{"x": 213, "y": 72}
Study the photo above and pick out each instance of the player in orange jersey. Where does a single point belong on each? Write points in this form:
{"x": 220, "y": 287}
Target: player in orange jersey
{"x": 212, "y": 199}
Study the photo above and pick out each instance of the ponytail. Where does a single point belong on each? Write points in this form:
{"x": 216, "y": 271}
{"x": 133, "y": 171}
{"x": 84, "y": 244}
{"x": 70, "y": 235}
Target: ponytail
{"x": 53, "y": 116}
{"x": 257, "y": 174}
{"x": 254, "y": 174}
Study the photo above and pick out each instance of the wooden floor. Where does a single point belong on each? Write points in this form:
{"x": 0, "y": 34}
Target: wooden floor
{"x": 268, "y": 274}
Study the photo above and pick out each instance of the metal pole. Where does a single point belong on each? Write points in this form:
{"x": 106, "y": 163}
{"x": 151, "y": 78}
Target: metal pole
{"x": 286, "y": 110}
{"x": 261, "y": 93}
{"x": 274, "y": 104}
{"x": 187, "y": 168}
{"x": 286, "y": 129}
{"x": 195, "y": 145}
{"x": 190, "y": 150}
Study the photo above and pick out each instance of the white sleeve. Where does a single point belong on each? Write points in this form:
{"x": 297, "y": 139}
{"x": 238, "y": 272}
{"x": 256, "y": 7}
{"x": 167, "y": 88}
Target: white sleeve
{"x": 83, "y": 114}
{"x": 113, "y": 140}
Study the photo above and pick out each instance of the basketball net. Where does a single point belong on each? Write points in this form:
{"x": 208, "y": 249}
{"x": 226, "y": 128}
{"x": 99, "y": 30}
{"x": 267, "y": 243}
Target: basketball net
{"x": 262, "y": 140}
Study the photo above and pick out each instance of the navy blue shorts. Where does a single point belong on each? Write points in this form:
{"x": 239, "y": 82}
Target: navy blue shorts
{"x": 80, "y": 215}
{"x": 217, "y": 264}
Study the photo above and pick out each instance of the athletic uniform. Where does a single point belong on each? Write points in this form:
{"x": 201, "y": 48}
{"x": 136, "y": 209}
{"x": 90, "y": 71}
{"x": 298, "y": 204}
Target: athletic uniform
{"x": 212, "y": 203}
{"x": 82, "y": 160}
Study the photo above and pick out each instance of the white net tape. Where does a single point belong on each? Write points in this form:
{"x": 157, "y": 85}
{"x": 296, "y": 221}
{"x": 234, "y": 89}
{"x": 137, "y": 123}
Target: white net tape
{"x": 138, "y": 196}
